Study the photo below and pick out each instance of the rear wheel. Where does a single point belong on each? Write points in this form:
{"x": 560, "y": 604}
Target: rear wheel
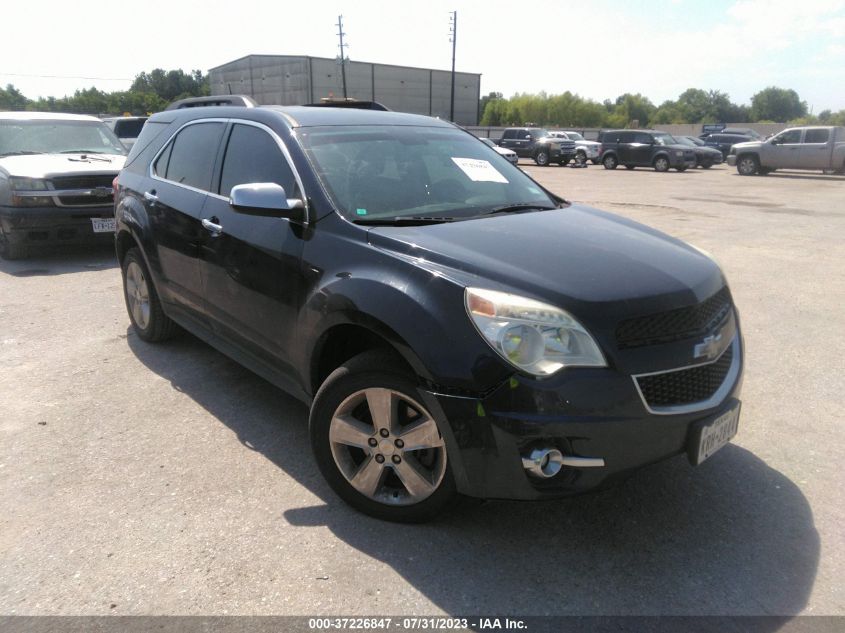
{"x": 661, "y": 163}
{"x": 142, "y": 302}
{"x": 747, "y": 165}
{"x": 541, "y": 158}
{"x": 580, "y": 157}
{"x": 610, "y": 162}
{"x": 379, "y": 448}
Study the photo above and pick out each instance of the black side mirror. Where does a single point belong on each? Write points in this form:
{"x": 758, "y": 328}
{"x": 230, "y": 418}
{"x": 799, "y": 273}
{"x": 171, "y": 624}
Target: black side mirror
{"x": 265, "y": 199}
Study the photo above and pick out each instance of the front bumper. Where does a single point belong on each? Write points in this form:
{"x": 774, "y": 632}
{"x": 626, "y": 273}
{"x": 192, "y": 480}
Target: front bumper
{"x": 593, "y": 413}
{"x": 731, "y": 160}
{"x": 33, "y": 226}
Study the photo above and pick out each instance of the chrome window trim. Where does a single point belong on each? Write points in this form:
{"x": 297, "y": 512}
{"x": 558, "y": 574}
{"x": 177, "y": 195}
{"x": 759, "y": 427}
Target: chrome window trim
{"x": 279, "y": 143}
{"x": 712, "y": 401}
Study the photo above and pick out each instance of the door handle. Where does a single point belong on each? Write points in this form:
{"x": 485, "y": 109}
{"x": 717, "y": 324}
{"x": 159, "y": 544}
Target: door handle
{"x": 151, "y": 196}
{"x": 213, "y": 228}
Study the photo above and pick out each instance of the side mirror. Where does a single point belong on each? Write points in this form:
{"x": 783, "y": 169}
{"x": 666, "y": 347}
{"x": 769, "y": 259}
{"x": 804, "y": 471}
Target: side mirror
{"x": 266, "y": 199}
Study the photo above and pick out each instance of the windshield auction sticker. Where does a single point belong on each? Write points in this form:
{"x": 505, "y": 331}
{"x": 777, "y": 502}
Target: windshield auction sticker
{"x": 479, "y": 170}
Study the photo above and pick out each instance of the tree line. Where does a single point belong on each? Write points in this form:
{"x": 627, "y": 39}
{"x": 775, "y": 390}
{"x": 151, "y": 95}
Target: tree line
{"x": 770, "y": 105}
{"x": 149, "y": 92}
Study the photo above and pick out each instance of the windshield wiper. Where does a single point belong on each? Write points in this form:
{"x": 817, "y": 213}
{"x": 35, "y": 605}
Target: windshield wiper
{"x": 81, "y": 151}
{"x": 413, "y": 220}
{"x": 23, "y": 152}
{"x": 518, "y": 206}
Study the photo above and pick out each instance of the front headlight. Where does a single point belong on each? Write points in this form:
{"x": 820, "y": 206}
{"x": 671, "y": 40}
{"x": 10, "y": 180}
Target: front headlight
{"x": 23, "y": 192}
{"x": 535, "y": 337}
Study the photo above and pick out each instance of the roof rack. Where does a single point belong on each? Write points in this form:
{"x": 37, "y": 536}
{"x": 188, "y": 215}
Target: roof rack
{"x": 214, "y": 100}
{"x": 348, "y": 102}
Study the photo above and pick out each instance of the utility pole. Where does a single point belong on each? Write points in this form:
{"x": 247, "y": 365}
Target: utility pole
{"x": 340, "y": 34}
{"x": 453, "y": 37}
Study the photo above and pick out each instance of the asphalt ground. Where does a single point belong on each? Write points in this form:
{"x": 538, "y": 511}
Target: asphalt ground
{"x": 141, "y": 479}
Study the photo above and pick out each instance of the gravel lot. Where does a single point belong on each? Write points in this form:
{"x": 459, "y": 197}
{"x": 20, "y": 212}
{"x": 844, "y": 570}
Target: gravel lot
{"x": 138, "y": 479}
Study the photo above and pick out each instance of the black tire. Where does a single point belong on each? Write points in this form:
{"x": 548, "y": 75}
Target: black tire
{"x": 706, "y": 165}
{"x": 661, "y": 164}
{"x": 377, "y": 371}
{"x": 580, "y": 157}
{"x": 610, "y": 162}
{"x": 629, "y": 167}
{"x": 542, "y": 158}
{"x": 151, "y": 324}
{"x": 11, "y": 251}
{"x": 747, "y": 165}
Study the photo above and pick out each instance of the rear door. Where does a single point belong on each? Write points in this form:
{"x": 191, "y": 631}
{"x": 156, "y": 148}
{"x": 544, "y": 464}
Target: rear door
{"x": 508, "y": 139}
{"x": 251, "y": 266}
{"x": 816, "y": 148}
{"x": 641, "y": 148}
{"x": 181, "y": 177}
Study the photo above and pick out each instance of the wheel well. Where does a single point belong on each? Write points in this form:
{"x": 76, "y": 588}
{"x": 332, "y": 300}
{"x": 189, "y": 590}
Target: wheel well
{"x": 339, "y": 344}
{"x": 124, "y": 242}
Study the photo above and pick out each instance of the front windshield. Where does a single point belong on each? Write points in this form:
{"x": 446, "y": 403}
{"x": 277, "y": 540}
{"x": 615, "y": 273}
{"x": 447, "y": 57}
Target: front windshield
{"x": 665, "y": 139}
{"x": 574, "y": 136}
{"x": 57, "y": 137}
{"x": 380, "y": 172}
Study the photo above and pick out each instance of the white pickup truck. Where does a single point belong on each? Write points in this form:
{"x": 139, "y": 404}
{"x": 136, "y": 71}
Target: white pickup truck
{"x": 816, "y": 148}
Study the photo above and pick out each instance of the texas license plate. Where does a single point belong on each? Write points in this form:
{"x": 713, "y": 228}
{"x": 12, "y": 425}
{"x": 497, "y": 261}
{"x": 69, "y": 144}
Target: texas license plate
{"x": 712, "y": 435}
{"x": 103, "y": 225}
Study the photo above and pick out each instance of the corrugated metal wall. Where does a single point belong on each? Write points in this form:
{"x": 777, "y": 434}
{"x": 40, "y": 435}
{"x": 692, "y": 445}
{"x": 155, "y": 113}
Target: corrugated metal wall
{"x": 294, "y": 80}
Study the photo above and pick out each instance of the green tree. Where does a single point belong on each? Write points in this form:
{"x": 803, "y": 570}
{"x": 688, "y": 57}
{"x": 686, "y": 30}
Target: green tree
{"x": 12, "y": 99}
{"x": 777, "y": 104}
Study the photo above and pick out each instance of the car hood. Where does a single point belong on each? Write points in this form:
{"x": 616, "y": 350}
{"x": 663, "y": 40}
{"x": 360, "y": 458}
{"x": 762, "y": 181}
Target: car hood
{"x": 47, "y": 165}
{"x": 748, "y": 145}
{"x": 590, "y": 262}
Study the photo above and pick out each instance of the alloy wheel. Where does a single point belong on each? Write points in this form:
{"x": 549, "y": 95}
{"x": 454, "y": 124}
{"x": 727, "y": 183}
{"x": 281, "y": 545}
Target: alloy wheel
{"x": 138, "y": 295}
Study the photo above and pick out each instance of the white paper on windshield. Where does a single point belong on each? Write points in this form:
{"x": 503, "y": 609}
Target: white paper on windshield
{"x": 479, "y": 170}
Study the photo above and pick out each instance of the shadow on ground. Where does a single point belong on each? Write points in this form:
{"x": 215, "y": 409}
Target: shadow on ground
{"x": 61, "y": 261}
{"x": 732, "y": 537}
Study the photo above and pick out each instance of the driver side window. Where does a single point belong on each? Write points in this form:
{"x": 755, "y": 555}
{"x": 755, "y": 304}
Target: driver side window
{"x": 790, "y": 136}
{"x": 252, "y": 155}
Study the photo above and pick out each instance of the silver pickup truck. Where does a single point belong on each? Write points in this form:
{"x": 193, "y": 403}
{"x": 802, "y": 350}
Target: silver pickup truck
{"x": 816, "y": 148}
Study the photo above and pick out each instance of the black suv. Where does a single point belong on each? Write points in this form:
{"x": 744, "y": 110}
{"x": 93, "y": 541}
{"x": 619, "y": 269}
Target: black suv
{"x": 724, "y": 142}
{"x": 454, "y": 327}
{"x": 537, "y": 143}
{"x": 644, "y": 148}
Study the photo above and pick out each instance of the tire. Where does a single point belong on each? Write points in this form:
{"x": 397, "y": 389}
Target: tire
{"x": 393, "y": 482}
{"x": 629, "y": 167}
{"x": 661, "y": 163}
{"x": 706, "y": 165}
{"x": 542, "y": 158}
{"x": 142, "y": 303}
{"x": 11, "y": 251}
{"x": 747, "y": 165}
{"x": 610, "y": 162}
{"x": 580, "y": 157}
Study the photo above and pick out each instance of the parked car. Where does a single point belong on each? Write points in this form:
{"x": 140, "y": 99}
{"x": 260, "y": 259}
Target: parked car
{"x": 705, "y": 156}
{"x": 126, "y": 128}
{"x": 708, "y": 130}
{"x": 56, "y": 173}
{"x": 815, "y": 148}
{"x": 724, "y": 142}
{"x": 644, "y": 148}
{"x": 454, "y": 326}
{"x": 508, "y": 154}
{"x": 536, "y": 143}
{"x": 584, "y": 150}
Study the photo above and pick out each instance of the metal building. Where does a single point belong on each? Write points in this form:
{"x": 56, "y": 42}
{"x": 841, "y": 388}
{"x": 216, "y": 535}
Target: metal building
{"x": 299, "y": 79}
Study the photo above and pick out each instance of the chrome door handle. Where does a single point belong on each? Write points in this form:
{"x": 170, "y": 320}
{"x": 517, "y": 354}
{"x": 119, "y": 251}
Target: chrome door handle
{"x": 214, "y": 229}
{"x": 151, "y": 196}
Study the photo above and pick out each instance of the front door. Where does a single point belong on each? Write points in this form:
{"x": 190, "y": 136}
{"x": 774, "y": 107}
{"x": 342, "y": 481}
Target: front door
{"x": 783, "y": 151}
{"x": 251, "y": 264}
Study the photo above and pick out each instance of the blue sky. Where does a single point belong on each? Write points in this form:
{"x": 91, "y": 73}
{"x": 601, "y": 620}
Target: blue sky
{"x": 596, "y": 48}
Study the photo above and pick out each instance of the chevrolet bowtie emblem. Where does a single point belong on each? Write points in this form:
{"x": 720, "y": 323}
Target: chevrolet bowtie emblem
{"x": 709, "y": 348}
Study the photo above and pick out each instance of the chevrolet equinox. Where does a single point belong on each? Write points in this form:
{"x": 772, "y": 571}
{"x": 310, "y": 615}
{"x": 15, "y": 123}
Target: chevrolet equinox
{"x": 456, "y": 328}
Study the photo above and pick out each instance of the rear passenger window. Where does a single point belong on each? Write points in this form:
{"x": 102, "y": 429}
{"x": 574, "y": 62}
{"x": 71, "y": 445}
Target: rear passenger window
{"x": 525, "y": 134}
{"x": 625, "y": 137}
{"x": 641, "y": 137}
{"x": 816, "y": 136}
{"x": 252, "y": 155}
{"x": 509, "y": 134}
{"x": 190, "y": 158}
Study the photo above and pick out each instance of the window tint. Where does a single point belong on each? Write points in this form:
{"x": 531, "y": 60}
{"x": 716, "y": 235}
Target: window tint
{"x": 524, "y": 134}
{"x": 625, "y": 137}
{"x": 816, "y": 136}
{"x": 192, "y": 155}
{"x": 790, "y": 136}
{"x": 509, "y": 134}
{"x": 252, "y": 155}
{"x": 128, "y": 128}
{"x": 160, "y": 167}
{"x": 641, "y": 137}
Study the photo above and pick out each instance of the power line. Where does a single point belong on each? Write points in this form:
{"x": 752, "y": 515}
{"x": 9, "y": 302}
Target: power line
{"x": 66, "y": 77}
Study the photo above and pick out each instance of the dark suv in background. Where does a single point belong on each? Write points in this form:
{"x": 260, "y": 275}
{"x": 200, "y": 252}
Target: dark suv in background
{"x": 454, "y": 326}
{"x": 537, "y": 143}
{"x": 724, "y": 142}
{"x": 644, "y": 148}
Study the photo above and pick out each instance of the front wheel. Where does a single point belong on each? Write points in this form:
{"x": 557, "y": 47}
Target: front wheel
{"x": 379, "y": 448}
{"x": 747, "y": 165}
{"x": 610, "y": 162}
{"x": 542, "y": 158}
{"x": 661, "y": 163}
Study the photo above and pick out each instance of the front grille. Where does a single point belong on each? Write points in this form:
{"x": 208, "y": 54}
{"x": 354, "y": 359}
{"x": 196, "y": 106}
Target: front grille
{"x": 685, "y": 386}
{"x": 84, "y": 182}
{"x": 675, "y": 325}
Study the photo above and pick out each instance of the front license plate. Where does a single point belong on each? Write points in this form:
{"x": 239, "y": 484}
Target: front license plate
{"x": 710, "y": 436}
{"x": 103, "y": 225}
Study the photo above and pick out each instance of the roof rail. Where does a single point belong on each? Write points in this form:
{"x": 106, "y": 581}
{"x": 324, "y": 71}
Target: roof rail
{"x": 214, "y": 100}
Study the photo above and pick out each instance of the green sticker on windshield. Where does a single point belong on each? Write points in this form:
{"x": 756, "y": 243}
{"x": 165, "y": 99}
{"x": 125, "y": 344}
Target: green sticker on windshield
{"x": 361, "y": 211}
